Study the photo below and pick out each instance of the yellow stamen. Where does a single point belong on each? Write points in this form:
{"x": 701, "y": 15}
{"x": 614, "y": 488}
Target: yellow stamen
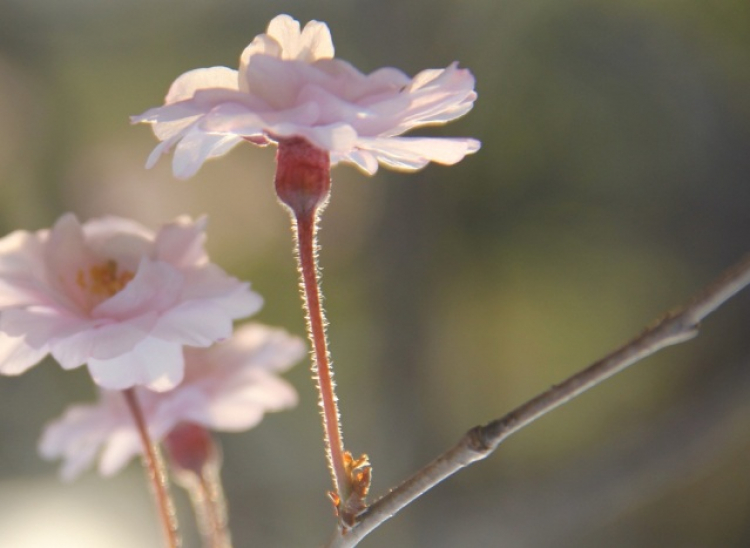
{"x": 104, "y": 280}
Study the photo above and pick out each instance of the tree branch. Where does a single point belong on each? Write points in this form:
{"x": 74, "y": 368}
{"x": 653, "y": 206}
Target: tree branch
{"x": 479, "y": 442}
{"x": 688, "y": 441}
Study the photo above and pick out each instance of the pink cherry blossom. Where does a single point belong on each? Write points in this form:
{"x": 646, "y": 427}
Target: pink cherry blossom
{"x": 227, "y": 387}
{"x": 115, "y": 296}
{"x": 289, "y": 85}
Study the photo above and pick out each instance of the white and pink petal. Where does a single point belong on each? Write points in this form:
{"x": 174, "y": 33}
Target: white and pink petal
{"x": 411, "y": 153}
{"x": 101, "y": 342}
{"x": 194, "y": 323}
{"x": 154, "y": 363}
{"x": 16, "y": 356}
{"x": 242, "y": 404}
{"x": 314, "y": 42}
{"x": 185, "y": 86}
{"x": 182, "y": 243}
{"x": 156, "y": 287}
{"x": 76, "y": 437}
{"x": 196, "y": 147}
{"x": 120, "y": 446}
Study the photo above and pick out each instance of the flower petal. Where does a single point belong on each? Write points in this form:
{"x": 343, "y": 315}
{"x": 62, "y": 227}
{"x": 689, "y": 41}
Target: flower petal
{"x": 65, "y": 256}
{"x": 436, "y": 97}
{"x": 313, "y": 43}
{"x": 122, "y": 240}
{"x": 185, "y": 86}
{"x": 261, "y": 45}
{"x": 121, "y": 446}
{"x": 182, "y": 243}
{"x": 238, "y": 119}
{"x": 187, "y": 403}
{"x": 76, "y": 437}
{"x": 154, "y": 363}
{"x": 162, "y": 148}
{"x": 16, "y": 356}
{"x": 243, "y": 404}
{"x": 194, "y": 323}
{"x": 41, "y": 325}
{"x": 196, "y": 147}
{"x": 102, "y": 342}
{"x": 411, "y": 153}
{"x": 290, "y": 85}
{"x": 365, "y": 160}
{"x": 212, "y": 283}
{"x": 156, "y": 287}
{"x": 229, "y": 389}
{"x": 254, "y": 346}
{"x": 22, "y": 269}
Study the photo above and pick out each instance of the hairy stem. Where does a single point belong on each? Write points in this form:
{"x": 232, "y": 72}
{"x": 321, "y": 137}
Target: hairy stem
{"x": 214, "y": 507}
{"x": 155, "y": 471}
{"x": 209, "y": 506}
{"x": 305, "y": 226}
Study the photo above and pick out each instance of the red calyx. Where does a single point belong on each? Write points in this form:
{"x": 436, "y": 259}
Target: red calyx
{"x": 303, "y": 176}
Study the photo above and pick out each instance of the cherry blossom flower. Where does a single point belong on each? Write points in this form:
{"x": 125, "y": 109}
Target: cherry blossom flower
{"x": 115, "y": 296}
{"x": 289, "y": 85}
{"x": 227, "y": 387}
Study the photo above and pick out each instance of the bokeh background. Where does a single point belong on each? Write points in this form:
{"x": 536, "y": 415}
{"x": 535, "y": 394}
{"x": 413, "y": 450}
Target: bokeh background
{"x": 612, "y": 184}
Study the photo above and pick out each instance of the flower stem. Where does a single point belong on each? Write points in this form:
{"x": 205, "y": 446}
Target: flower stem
{"x": 194, "y": 460}
{"x": 306, "y": 227}
{"x": 155, "y": 470}
{"x": 209, "y": 505}
{"x": 216, "y": 531}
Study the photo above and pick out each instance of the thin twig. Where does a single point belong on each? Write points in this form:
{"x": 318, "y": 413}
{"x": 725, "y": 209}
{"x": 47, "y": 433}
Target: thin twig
{"x": 155, "y": 471}
{"x": 687, "y": 441}
{"x": 479, "y": 442}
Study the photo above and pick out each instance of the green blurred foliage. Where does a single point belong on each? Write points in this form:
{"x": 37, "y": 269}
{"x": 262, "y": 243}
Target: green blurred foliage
{"x": 612, "y": 184}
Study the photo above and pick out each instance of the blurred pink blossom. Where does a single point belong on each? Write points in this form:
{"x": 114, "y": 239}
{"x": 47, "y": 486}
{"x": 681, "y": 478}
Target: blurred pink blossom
{"x": 289, "y": 85}
{"x": 113, "y": 295}
{"x": 227, "y": 387}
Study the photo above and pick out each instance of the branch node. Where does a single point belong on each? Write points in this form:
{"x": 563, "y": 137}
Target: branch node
{"x": 478, "y": 441}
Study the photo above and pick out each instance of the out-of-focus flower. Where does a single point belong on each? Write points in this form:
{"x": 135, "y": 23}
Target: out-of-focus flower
{"x": 289, "y": 85}
{"x": 227, "y": 387}
{"x": 113, "y": 295}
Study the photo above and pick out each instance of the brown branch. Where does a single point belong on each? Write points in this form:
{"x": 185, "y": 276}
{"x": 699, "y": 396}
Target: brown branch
{"x": 686, "y": 442}
{"x": 479, "y": 442}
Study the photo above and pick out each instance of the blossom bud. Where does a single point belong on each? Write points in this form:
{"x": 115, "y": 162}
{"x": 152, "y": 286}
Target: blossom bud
{"x": 190, "y": 448}
{"x": 303, "y": 176}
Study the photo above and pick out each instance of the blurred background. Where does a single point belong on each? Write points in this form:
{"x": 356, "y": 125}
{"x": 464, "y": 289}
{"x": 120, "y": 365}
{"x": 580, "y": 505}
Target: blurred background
{"x": 611, "y": 186}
